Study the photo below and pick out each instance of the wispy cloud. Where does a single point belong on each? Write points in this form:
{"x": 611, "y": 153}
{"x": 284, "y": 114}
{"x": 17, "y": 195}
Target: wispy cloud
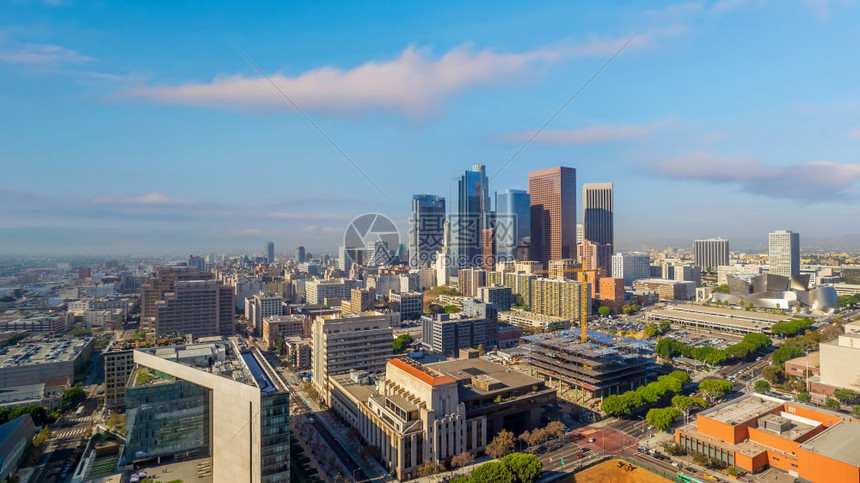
{"x": 590, "y": 134}
{"x": 39, "y": 54}
{"x": 817, "y": 181}
{"x": 148, "y": 199}
{"x": 414, "y": 84}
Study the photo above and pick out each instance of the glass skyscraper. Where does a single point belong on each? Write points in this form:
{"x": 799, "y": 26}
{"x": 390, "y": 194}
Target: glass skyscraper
{"x": 469, "y": 202}
{"x": 426, "y": 229}
{"x": 513, "y": 222}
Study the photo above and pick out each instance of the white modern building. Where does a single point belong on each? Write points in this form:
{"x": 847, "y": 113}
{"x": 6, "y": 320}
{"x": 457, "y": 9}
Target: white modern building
{"x": 711, "y": 253}
{"x": 784, "y": 250}
{"x": 631, "y": 266}
{"x": 317, "y": 291}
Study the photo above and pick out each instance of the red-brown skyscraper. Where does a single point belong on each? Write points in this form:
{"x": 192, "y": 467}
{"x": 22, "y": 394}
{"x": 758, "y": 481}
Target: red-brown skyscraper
{"x": 553, "y": 214}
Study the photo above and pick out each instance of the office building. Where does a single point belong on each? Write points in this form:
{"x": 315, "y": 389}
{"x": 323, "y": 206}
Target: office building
{"x": 263, "y": 304}
{"x": 346, "y": 257}
{"x": 469, "y": 203}
{"x": 448, "y": 333}
{"x": 711, "y": 253}
{"x": 244, "y": 288}
{"x": 597, "y": 214}
{"x": 360, "y": 300}
{"x": 689, "y": 273}
{"x": 119, "y": 364}
{"x": 565, "y": 268}
{"x": 723, "y": 271}
{"x": 470, "y": 280}
{"x": 560, "y": 298}
{"x": 631, "y": 266}
{"x": 15, "y": 440}
{"x": 410, "y": 305}
{"x": 612, "y": 293}
{"x": 525, "y": 318}
{"x": 498, "y": 295}
{"x": 580, "y": 233}
{"x": 357, "y": 342}
{"x": 318, "y": 291}
{"x": 161, "y": 282}
{"x": 198, "y": 307}
{"x": 300, "y": 254}
{"x": 553, "y": 214}
{"x": 33, "y": 362}
{"x": 596, "y": 256}
{"x": 285, "y": 326}
{"x": 667, "y": 290}
{"x": 270, "y": 252}
{"x": 220, "y": 398}
{"x": 513, "y": 222}
{"x": 784, "y": 253}
{"x": 426, "y": 230}
{"x": 488, "y": 248}
{"x": 197, "y": 262}
{"x": 757, "y": 432}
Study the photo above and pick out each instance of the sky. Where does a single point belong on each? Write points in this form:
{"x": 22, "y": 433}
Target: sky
{"x": 200, "y": 127}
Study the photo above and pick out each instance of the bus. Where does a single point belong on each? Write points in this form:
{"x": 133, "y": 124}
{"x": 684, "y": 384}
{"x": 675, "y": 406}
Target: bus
{"x": 80, "y": 411}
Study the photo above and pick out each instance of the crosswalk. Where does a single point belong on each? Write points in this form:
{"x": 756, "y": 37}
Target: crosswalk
{"x": 69, "y": 433}
{"x": 92, "y": 418}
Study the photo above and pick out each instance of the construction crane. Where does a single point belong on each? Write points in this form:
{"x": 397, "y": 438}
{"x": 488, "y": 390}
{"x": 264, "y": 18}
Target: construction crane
{"x": 583, "y": 293}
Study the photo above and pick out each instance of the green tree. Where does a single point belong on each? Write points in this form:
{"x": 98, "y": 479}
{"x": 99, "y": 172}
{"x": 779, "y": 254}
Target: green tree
{"x": 42, "y": 436}
{"x": 492, "y": 472}
{"x": 785, "y": 353}
{"x": 526, "y": 468}
{"x": 833, "y": 404}
{"x": 681, "y": 376}
{"x": 615, "y": 405}
{"x": 732, "y": 471}
{"x": 804, "y": 397}
{"x": 715, "y": 389}
{"x": 773, "y": 374}
{"x": 662, "y": 418}
{"x": 650, "y": 330}
{"x": 740, "y": 350}
{"x": 856, "y": 410}
{"x": 761, "y": 386}
{"x": 401, "y": 343}
{"x": 792, "y": 327}
{"x": 450, "y": 309}
{"x": 845, "y": 396}
{"x": 724, "y": 288}
{"x": 758, "y": 340}
{"x": 670, "y": 384}
{"x": 280, "y": 345}
{"x": 72, "y": 397}
{"x": 501, "y": 445}
{"x": 604, "y": 311}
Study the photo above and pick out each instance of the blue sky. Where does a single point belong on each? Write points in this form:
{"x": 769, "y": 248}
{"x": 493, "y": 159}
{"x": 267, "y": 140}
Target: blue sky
{"x": 138, "y": 128}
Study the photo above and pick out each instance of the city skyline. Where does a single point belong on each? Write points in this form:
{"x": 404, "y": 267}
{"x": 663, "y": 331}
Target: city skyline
{"x": 128, "y": 133}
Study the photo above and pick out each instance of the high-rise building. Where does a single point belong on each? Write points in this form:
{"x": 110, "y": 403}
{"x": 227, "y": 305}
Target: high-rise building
{"x": 513, "y": 222}
{"x": 426, "y": 229}
{"x": 360, "y": 342}
{"x": 597, "y": 213}
{"x": 197, "y": 262}
{"x": 488, "y": 248}
{"x": 263, "y": 304}
{"x": 317, "y": 291}
{"x": 784, "y": 249}
{"x": 631, "y": 266}
{"x": 470, "y": 280}
{"x": 553, "y": 214}
{"x": 270, "y": 252}
{"x": 219, "y": 398}
{"x": 469, "y": 202}
{"x": 185, "y": 301}
{"x": 300, "y": 254}
{"x": 410, "y": 305}
{"x": 711, "y": 253}
{"x": 612, "y": 293}
{"x": 580, "y": 233}
{"x": 559, "y": 298}
{"x": 597, "y": 256}
{"x": 118, "y": 365}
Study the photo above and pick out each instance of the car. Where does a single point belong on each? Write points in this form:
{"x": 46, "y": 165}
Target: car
{"x": 584, "y": 450}
{"x": 591, "y": 440}
{"x": 311, "y": 420}
{"x": 675, "y": 464}
{"x": 578, "y": 455}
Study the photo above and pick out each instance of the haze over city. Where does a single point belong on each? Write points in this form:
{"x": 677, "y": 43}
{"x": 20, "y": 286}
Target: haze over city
{"x": 140, "y": 128}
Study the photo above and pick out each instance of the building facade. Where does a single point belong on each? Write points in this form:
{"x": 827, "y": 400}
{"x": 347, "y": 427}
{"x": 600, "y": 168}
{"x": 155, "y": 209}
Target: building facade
{"x": 597, "y": 213}
{"x": 711, "y": 253}
{"x": 553, "y": 214}
{"x": 631, "y": 266}
{"x": 784, "y": 253}
{"x": 469, "y": 204}
{"x": 513, "y": 222}
{"x": 426, "y": 226}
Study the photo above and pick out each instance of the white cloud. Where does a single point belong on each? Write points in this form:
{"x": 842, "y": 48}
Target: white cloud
{"x": 816, "y": 181}
{"x": 38, "y": 54}
{"x": 590, "y": 134}
{"x": 148, "y": 199}
{"x": 414, "y": 84}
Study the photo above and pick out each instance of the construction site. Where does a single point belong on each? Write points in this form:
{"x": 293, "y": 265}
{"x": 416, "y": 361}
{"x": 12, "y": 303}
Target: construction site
{"x": 590, "y": 366}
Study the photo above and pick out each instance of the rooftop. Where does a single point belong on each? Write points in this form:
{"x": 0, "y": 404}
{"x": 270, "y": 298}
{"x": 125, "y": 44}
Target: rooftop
{"x": 421, "y": 372}
{"x": 746, "y": 314}
{"x": 813, "y": 359}
{"x": 464, "y": 370}
{"x": 743, "y": 409}
{"x": 43, "y": 352}
{"x": 839, "y": 442}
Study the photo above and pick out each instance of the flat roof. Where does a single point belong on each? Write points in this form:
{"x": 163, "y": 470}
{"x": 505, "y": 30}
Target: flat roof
{"x": 360, "y": 392}
{"x": 46, "y": 351}
{"x": 814, "y": 359}
{"x": 715, "y": 320}
{"x": 740, "y": 410}
{"x": 468, "y": 368}
{"x": 421, "y": 372}
{"x": 840, "y": 442}
{"x": 733, "y": 313}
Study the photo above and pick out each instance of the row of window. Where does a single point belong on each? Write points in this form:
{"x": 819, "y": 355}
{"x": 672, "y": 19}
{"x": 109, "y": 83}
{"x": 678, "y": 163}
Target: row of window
{"x": 697, "y": 446}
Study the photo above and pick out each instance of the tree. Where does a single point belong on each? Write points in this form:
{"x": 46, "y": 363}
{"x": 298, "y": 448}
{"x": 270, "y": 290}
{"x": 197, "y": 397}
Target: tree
{"x": 650, "y": 330}
{"x": 462, "y": 459}
{"x": 761, "y": 386}
{"x": 856, "y": 410}
{"x": 481, "y": 350}
{"x": 681, "y": 376}
{"x": 625, "y": 309}
{"x": 615, "y": 405}
{"x": 526, "y": 468}
{"x": 773, "y": 374}
{"x": 401, "y": 343}
{"x": 833, "y": 404}
{"x": 804, "y": 397}
{"x": 758, "y": 340}
{"x": 72, "y": 397}
{"x": 280, "y": 346}
{"x": 554, "y": 429}
{"x": 501, "y": 445}
{"x": 724, "y": 288}
{"x": 674, "y": 448}
{"x": 428, "y": 469}
{"x": 450, "y": 309}
{"x": 845, "y": 396}
{"x": 492, "y": 472}
{"x": 604, "y": 311}
{"x": 42, "y": 436}
{"x": 715, "y": 389}
{"x": 662, "y": 418}
{"x": 792, "y": 327}
{"x": 785, "y": 353}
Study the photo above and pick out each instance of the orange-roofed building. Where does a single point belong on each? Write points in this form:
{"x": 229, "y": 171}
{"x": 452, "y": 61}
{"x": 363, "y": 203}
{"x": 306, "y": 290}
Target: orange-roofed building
{"x": 757, "y": 432}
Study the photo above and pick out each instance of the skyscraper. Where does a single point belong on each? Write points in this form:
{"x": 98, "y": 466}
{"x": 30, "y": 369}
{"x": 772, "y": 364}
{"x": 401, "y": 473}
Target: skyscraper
{"x": 597, "y": 213}
{"x": 711, "y": 253}
{"x": 426, "y": 226}
{"x": 470, "y": 200}
{"x": 513, "y": 222}
{"x": 300, "y": 254}
{"x": 553, "y": 214}
{"x": 270, "y": 252}
{"x": 784, "y": 249}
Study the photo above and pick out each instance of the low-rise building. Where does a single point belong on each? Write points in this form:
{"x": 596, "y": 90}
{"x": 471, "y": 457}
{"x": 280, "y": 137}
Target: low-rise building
{"x": 668, "y": 289}
{"x": 498, "y": 295}
{"x": 285, "y": 326}
{"x": 39, "y": 361}
{"x": 15, "y": 439}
